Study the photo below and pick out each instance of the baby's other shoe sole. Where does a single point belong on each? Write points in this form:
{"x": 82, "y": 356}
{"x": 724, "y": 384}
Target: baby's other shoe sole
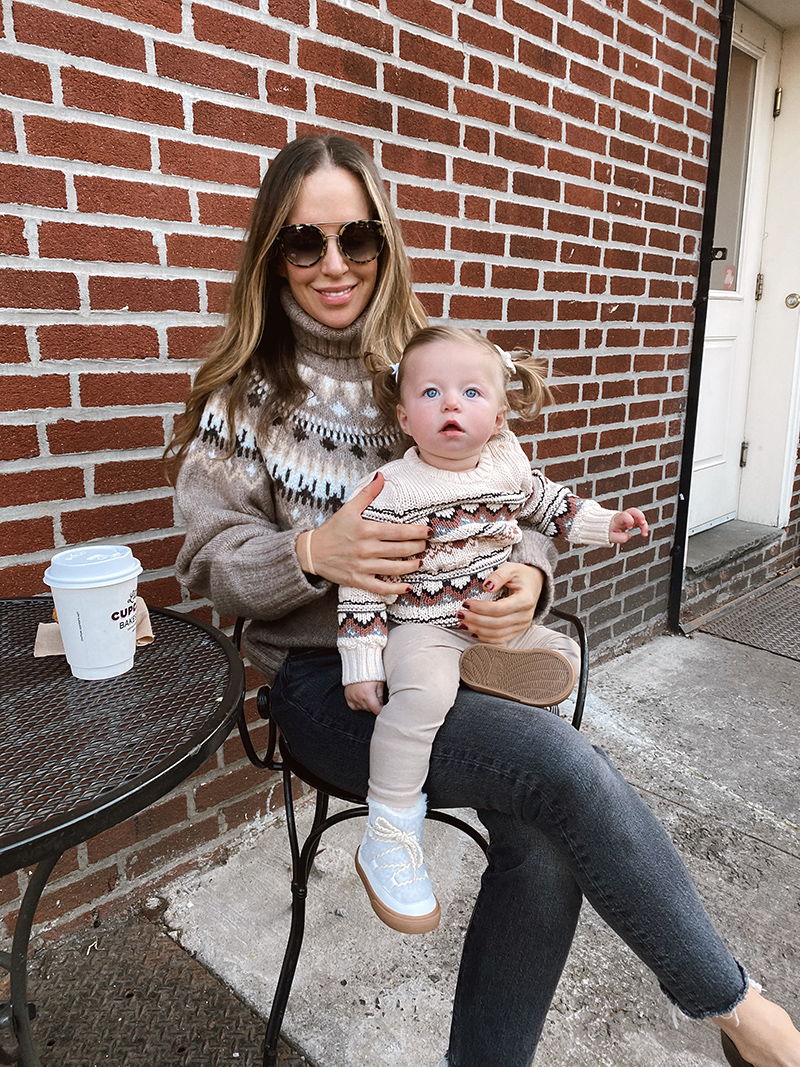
{"x": 540, "y": 677}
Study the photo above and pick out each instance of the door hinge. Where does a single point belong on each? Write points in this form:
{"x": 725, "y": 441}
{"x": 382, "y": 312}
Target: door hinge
{"x": 759, "y": 286}
{"x": 776, "y": 107}
{"x": 743, "y": 454}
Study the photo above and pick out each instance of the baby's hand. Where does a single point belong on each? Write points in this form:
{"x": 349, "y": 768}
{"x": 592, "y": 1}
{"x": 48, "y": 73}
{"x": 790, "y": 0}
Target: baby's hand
{"x": 364, "y": 696}
{"x": 624, "y": 523}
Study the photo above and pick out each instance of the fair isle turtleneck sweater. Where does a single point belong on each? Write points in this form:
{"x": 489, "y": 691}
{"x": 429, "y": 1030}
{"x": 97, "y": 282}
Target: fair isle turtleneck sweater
{"x": 244, "y": 512}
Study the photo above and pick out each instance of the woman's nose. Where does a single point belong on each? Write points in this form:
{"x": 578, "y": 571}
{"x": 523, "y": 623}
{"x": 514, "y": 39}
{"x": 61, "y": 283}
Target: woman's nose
{"x": 333, "y": 262}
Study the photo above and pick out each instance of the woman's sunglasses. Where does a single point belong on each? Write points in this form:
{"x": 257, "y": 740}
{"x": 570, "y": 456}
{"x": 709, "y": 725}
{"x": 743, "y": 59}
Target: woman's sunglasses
{"x": 305, "y": 244}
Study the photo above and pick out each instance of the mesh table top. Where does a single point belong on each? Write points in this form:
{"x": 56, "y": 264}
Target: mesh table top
{"x": 78, "y": 756}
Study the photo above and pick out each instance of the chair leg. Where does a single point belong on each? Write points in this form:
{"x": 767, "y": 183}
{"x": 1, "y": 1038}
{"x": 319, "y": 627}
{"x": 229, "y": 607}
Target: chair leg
{"x": 302, "y": 861}
{"x": 320, "y": 815}
{"x": 296, "y": 930}
{"x": 284, "y": 986}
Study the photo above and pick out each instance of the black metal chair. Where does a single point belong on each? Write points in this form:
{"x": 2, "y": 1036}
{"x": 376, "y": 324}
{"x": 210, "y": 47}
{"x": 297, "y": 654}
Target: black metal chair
{"x": 303, "y": 855}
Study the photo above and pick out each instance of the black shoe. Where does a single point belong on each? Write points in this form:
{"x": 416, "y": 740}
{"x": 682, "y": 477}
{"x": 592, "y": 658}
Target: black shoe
{"x": 732, "y": 1054}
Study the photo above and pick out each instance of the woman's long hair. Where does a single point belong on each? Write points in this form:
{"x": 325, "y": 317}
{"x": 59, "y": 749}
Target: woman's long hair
{"x": 257, "y": 337}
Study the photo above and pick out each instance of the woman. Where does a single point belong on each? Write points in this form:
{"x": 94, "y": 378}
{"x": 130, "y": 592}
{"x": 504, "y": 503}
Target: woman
{"x": 280, "y": 425}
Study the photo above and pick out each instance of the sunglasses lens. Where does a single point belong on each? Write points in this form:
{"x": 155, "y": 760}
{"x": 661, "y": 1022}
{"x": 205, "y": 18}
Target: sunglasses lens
{"x": 361, "y": 242}
{"x": 302, "y": 245}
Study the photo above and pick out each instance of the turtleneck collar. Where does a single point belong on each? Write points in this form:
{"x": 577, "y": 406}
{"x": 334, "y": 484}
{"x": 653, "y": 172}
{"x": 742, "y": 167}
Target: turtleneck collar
{"x": 314, "y": 339}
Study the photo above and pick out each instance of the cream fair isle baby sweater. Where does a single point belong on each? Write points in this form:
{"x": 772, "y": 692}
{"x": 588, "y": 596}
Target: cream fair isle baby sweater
{"x": 474, "y": 517}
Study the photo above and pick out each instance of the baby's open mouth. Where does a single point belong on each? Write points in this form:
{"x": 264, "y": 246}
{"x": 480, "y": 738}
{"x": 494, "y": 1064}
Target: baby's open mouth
{"x": 450, "y": 427}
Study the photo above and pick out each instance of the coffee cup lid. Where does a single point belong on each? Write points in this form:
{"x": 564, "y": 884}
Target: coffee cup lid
{"x": 79, "y": 568}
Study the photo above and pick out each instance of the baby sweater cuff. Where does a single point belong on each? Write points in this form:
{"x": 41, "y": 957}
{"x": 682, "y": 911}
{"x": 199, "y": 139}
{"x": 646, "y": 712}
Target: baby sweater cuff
{"x": 591, "y": 525}
{"x": 362, "y": 664}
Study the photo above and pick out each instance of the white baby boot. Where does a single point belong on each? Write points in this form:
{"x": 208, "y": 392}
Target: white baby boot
{"x": 391, "y": 865}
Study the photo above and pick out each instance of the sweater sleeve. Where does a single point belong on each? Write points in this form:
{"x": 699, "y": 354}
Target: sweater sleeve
{"x": 234, "y": 552}
{"x": 555, "y": 511}
{"x": 538, "y": 551}
{"x": 362, "y": 635}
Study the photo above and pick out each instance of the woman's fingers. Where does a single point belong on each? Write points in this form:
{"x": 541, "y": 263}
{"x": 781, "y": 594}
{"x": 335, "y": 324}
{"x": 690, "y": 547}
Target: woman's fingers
{"x": 350, "y": 550}
{"x": 495, "y": 622}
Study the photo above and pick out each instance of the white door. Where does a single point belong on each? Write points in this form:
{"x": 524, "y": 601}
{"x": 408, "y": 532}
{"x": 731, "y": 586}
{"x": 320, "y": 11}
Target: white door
{"x": 720, "y": 445}
{"x": 773, "y": 408}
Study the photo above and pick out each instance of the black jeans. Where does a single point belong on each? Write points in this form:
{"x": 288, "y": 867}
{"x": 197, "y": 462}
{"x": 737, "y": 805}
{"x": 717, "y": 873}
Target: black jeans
{"x": 563, "y": 823}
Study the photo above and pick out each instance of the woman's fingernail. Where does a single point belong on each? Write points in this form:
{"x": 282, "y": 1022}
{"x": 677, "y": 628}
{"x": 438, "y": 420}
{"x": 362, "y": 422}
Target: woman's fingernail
{"x": 459, "y": 614}
{"x": 430, "y": 532}
{"x": 466, "y": 604}
{"x": 375, "y": 476}
{"x": 488, "y": 585}
{"x": 463, "y": 627}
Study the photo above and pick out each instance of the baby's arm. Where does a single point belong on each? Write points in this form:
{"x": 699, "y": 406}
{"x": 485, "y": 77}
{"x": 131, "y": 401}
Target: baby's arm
{"x": 554, "y": 510}
{"x": 364, "y": 696}
{"x": 624, "y": 523}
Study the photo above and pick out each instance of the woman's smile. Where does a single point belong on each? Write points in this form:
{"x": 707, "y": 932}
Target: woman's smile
{"x": 335, "y": 297}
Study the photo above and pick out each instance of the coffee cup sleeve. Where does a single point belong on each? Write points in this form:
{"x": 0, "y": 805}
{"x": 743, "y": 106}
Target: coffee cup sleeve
{"x": 48, "y": 635}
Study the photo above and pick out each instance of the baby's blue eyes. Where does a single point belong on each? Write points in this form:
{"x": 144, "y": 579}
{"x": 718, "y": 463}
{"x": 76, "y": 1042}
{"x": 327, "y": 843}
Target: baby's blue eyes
{"x": 431, "y": 393}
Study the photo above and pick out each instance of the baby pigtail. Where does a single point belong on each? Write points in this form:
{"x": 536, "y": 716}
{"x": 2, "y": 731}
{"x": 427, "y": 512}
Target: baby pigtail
{"x": 532, "y": 393}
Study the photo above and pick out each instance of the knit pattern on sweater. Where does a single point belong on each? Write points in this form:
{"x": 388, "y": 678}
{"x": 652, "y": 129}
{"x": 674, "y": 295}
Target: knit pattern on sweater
{"x": 313, "y": 453}
{"x": 475, "y": 518}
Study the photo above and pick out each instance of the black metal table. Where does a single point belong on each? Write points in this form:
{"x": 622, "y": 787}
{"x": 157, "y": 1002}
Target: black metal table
{"x": 78, "y": 756}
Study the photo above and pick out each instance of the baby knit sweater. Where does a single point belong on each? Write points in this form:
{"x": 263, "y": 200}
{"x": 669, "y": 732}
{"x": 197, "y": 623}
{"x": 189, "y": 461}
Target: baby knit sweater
{"x": 245, "y": 506}
{"x": 474, "y": 517}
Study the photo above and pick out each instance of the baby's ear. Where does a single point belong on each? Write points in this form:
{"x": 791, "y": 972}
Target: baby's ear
{"x": 500, "y": 420}
{"x": 402, "y": 418}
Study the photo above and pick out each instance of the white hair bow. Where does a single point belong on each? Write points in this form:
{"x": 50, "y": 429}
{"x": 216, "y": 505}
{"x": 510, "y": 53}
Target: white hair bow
{"x": 508, "y": 362}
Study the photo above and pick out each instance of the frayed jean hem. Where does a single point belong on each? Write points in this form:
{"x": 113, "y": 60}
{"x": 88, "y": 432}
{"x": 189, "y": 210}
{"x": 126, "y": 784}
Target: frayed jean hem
{"x": 678, "y": 1011}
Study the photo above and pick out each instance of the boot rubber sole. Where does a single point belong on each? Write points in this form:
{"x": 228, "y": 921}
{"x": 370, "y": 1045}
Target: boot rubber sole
{"x": 404, "y": 924}
{"x": 540, "y": 677}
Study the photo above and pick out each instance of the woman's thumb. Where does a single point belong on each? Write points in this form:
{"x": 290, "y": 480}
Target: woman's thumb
{"x": 369, "y": 492}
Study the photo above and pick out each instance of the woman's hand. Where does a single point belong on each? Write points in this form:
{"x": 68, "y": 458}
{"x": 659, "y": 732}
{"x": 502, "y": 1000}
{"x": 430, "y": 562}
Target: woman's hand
{"x": 364, "y": 696}
{"x": 350, "y": 550}
{"x": 495, "y": 622}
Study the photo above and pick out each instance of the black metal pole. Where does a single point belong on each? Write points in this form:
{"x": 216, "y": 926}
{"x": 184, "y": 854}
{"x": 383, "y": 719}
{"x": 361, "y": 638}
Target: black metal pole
{"x": 701, "y": 312}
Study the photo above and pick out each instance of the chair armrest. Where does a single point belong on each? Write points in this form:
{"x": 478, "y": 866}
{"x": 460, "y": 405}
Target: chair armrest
{"x": 267, "y": 761}
{"x": 583, "y": 677}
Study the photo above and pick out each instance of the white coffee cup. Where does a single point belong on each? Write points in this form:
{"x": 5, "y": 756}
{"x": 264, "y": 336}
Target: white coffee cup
{"x": 94, "y": 589}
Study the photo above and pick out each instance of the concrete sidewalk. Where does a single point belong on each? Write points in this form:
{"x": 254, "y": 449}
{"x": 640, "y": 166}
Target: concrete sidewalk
{"x": 707, "y": 730}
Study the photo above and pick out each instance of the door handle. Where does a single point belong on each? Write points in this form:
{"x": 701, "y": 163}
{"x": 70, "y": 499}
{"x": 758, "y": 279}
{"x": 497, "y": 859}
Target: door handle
{"x": 792, "y": 300}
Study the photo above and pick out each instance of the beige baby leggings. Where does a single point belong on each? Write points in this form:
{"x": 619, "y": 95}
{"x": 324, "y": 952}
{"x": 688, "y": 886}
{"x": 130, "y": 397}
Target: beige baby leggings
{"x": 422, "y": 677}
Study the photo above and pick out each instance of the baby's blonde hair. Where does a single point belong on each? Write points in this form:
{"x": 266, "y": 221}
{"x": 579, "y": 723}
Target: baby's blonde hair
{"x": 527, "y": 400}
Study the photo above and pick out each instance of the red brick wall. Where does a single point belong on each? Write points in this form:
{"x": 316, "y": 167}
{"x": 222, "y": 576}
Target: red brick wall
{"x": 547, "y": 159}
